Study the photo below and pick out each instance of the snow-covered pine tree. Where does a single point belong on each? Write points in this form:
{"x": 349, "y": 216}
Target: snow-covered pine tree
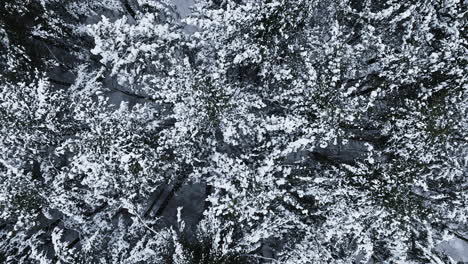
{"x": 325, "y": 131}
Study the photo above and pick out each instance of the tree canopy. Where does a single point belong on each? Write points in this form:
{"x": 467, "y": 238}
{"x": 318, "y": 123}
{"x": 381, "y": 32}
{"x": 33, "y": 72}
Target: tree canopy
{"x": 321, "y": 131}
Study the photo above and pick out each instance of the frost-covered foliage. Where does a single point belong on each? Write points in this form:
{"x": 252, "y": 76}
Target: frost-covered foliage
{"x": 324, "y": 131}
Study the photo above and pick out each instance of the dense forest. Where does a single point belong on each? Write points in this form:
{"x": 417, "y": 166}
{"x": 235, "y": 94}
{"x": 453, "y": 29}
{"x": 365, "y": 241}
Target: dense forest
{"x": 233, "y": 132}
